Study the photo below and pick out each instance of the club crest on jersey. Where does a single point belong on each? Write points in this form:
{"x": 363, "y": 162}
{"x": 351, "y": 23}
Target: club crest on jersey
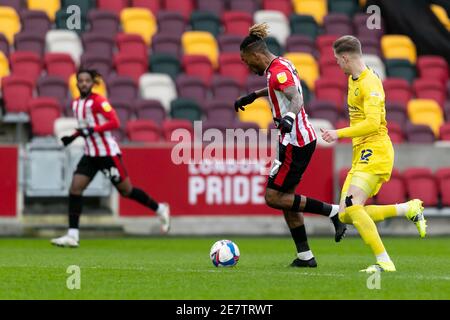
{"x": 106, "y": 106}
{"x": 282, "y": 77}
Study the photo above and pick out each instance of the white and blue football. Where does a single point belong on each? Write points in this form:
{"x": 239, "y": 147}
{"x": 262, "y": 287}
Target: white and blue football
{"x": 224, "y": 253}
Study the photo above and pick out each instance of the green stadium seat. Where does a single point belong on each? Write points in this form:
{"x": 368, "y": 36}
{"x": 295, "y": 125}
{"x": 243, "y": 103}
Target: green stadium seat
{"x": 165, "y": 63}
{"x": 400, "y": 68}
{"x": 185, "y": 109}
{"x": 206, "y": 21}
{"x": 274, "y": 46}
{"x": 62, "y": 17}
{"x": 348, "y": 7}
{"x": 84, "y": 5}
{"x": 304, "y": 25}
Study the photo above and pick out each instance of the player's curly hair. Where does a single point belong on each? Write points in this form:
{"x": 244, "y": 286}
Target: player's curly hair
{"x": 255, "y": 39}
{"x": 93, "y": 73}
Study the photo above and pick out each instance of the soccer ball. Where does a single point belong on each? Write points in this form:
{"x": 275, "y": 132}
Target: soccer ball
{"x": 224, "y": 253}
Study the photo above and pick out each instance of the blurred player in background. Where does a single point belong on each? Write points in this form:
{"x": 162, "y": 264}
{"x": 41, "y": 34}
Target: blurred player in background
{"x": 96, "y": 119}
{"x": 373, "y": 154}
{"x": 296, "y": 145}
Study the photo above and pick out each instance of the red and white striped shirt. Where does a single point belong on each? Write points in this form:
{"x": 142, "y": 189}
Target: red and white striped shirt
{"x": 281, "y": 74}
{"x": 96, "y": 112}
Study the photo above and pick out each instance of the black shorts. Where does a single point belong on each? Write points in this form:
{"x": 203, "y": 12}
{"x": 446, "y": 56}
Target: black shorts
{"x": 287, "y": 170}
{"x": 111, "y": 166}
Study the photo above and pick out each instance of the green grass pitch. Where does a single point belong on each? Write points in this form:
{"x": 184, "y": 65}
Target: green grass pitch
{"x": 179, "y": 268}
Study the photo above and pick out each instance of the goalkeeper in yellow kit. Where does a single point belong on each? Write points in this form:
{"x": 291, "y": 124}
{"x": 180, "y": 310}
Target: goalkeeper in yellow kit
{"x": 373, "y": 154}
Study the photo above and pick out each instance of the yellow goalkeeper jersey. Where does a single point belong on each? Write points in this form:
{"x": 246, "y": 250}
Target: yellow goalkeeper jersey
{"x": 366, "y": 108}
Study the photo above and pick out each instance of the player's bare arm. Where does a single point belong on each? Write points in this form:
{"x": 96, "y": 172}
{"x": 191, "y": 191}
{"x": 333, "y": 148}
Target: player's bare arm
{"x": 296, "y": 102}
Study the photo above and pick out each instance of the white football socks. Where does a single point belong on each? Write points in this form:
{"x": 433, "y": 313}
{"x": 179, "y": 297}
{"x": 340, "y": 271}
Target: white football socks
{"x": 74, "y": 233}
{"x": 334, "y": 210}
{"x": 305, "y": 255}
{"x": 402, "y": 208}
{"x": 383, "y": 257}
{"x": 161, "y": 208}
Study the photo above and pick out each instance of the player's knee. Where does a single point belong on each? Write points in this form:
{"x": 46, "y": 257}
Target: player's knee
{"x": 271, "y": 199}
{"x": 75, "y": 190}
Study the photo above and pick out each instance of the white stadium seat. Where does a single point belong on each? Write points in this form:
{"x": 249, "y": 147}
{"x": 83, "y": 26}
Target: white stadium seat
{"x": 278, "y": 24}
{"x": 158, "y": 86}
{"x": 376, "y": 64}
{"x": 64, "y": 41}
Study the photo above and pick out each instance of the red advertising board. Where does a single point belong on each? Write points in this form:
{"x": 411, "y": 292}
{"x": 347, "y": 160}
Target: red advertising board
{"x": 8, "y": 182}
{"x": 213, "y": 188}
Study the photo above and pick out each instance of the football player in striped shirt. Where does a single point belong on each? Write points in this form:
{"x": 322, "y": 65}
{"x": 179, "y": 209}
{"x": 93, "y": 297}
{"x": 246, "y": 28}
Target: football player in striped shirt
{"x": 96, "y": 120}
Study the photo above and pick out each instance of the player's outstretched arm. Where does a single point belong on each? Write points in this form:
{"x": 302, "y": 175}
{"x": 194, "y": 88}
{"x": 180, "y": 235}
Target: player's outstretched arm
{"x": 245, "y": 100}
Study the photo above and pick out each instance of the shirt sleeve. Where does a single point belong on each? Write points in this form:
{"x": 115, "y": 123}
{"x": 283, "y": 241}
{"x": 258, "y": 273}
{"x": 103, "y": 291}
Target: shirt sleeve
{"x": 373, "y": 104}
{"x": 103, "y": 107}
{"x": 282, "y": 79}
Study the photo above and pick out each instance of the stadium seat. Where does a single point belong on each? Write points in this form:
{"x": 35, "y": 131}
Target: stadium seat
{"x": 143, "y": 131}
{"x": 370, "y": 46}
{"x": 150, "y": 109}
{"x": 4, "y": 66}
{"x": 443, "y": 179}
{"x": 101, "y": 63}
{"x": 171, "y": 22}
{"x": 10, "y": 23}
{"x": 444, "y": 132}
{"x": 130, "y": 65}
{"x": 99, "y": 88}
{"x": 26, "y": 64}
{"x": 324, "y": 44}
{"x": 201, "y": 43}
{"x": 172, "y": 125}
{"x": 64, "y": 41}
{"x": 183, "y": 108}
{"x": 98, "y": 43}
{"x": 35, "y": 21}
{"x": 159, "y": 87}
{"x": 393, "y": 191}
{"x": 114, "y": 6}
{"x": 306, "y": 66}
{"x": 132, "y": 45}
{"x": 31, "y": 42}
{"x": 124, "y": 110}
{"x": 221, "y": 111}
{"x": 229, "y": 42}
{"x": 278, "y": 24}
{"x": 395, "y": 132}
{"x": 191, "y": 87}
{"x": 43, "y": 113}
{"x": 164, "y": 43}
{"x": 284, "y": 6}
{"x": 59, "y": 64}
{"x": 316, "y": 8}
{"x": 62, "y": 19}
{"x": 153, "y": 5}
{"x": 419, "y": 133}
{"x": 398, "y": 47}
{"x": 139, "y": 21}
{"x": 48, "y": 6}
{"x": 331, "y": 90}
{"x": 433, "y": 67}
{"x": 18, "y": 5}
{"x": 306, "y": 92}
{"x": 398, "y": 68}
{"x": 199, "y": 66}
{"x": 216, "y": 7}
{"x": 206, "y": 21}
{"x": 225, "y": 89}
{"x": 185, "y": 7}
{"x": 122, "y": 88}
{"x": 441, "y": 14}
{"x": 396, "y": 112}
{"x": 319, "y": 109}
{"x": 54, "y": 87}
{"x": 16, "y": 92}
{"x": 4, "y": 45}
{"x": 259, "y": 112}
{"x": 430, "y": 89}
{"x": 248, "y": 6}
{"x": 230, "y": 65}
{"x": 376, "y": 64}
{"x": 103, "y": 21}
{"x": 84, "y": 5}
{"x": 347, "y": 7}
{"x": 421, "y": 184}
{"x": 301, "y": 44}
{"x": 237, "y": 22}
{"x": 397, "y": 90}
{"x": 361, "y": 30}
{"x": 304, "y": 25}
{"x": 255, "y": 82}
{"x": 164, "y": 63}
{"x": 426, "y": 111}
{"x": 330, "y": 69}
{"x": 338, "y": 24}
{"x": 274, "y": 46}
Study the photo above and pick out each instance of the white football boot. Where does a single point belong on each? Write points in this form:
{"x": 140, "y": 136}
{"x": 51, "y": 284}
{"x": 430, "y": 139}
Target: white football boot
{"x": 65, "y": 241}
{"x": 164, "y": 218}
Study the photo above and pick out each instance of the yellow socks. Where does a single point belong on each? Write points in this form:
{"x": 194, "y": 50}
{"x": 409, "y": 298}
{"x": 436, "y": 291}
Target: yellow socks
{"x": 379, "y": 213}
{"x": 366, "y": 228}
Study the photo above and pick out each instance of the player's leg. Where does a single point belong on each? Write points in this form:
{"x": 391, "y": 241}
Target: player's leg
{"x": 115, "y": 170}
{"x": 362, "y": 186}
{"x": 285, "y": 174}
{"x": 86, "y": 170}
